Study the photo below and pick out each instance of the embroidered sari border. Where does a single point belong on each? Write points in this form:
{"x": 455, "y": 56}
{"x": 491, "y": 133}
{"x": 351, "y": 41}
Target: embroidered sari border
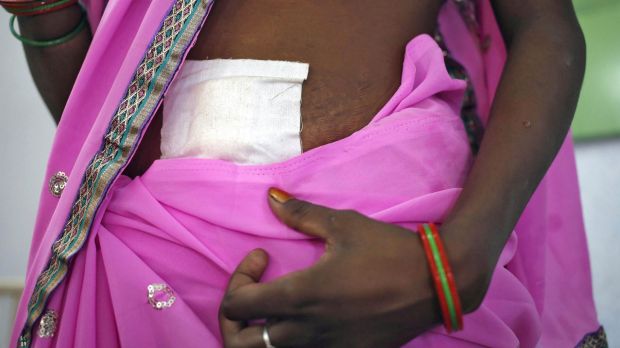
{"x": 140, "y": 101}
{"x": 596, "y": 339}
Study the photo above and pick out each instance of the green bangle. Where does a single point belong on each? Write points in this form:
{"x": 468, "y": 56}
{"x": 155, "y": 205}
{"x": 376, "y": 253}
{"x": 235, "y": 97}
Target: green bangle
{"x": 53, "y": 42}
{"x": 442, "y": 276}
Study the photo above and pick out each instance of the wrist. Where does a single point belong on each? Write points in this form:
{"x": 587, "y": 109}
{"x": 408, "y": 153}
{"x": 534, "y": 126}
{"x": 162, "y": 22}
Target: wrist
{"x": 472, "y": 264}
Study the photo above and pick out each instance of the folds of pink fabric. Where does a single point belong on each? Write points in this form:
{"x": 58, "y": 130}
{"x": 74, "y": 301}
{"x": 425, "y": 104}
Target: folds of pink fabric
{"x": 188, "y": 222}
{"x": 551, "y": 260}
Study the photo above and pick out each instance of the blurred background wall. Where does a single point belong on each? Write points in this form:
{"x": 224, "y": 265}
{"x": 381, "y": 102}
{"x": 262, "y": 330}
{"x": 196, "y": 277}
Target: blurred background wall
{"x": 597, "y": 131}
{"x": 27, "y": 130}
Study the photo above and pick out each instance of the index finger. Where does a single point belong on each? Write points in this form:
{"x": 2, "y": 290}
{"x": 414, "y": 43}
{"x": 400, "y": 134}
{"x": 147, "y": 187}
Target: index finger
{"x": 287, "y": 296}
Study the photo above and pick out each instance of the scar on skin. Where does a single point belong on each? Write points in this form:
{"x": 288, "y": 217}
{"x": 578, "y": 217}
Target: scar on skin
{"x": 527, "y": 124}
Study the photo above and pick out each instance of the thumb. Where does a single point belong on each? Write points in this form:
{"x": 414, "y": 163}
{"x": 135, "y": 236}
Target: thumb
{"x": 302, "y": 216}
{"x": 249, "y": 270}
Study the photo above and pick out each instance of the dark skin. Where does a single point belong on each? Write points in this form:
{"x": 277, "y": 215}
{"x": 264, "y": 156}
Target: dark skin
{"x": 343, "y": 91}
{"x": 332, "y": 304}
{"x": 53, "y": 70}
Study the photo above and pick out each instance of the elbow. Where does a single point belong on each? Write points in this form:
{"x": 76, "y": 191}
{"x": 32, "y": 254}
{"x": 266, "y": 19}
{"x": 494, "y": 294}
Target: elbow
{"x": 564, "y": 37}
{"x": 574, "y": 50}
{"x": 559, "y": 42}
{"x": 572, "y": 60}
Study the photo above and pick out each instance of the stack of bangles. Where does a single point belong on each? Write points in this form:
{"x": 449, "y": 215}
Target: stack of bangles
{"x": 443, "y": 279}
{"x": 41, "y": 7}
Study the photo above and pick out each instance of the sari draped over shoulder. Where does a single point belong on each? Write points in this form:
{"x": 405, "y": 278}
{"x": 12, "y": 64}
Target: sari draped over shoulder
{"x": 143, "y": 262}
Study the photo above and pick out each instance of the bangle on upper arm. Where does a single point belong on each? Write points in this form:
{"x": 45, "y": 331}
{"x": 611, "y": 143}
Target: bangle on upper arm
{"x": 33, "y": 8}
{"x": 53, "y": 42}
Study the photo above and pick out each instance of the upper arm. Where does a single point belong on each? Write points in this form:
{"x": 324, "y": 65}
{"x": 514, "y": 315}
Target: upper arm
{"x": 554, "y": 17}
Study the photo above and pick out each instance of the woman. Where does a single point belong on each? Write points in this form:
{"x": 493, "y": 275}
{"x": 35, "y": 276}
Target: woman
{"x": 137, "y": 251}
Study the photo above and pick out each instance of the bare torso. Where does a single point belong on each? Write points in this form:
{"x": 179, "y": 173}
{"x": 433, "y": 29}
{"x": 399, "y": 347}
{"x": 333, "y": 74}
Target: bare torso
{"x": 354, "y": 48}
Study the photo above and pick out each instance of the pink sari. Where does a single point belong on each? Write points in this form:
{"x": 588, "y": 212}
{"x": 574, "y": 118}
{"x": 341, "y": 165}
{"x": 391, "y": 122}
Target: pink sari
{"x": 99, "y": 246}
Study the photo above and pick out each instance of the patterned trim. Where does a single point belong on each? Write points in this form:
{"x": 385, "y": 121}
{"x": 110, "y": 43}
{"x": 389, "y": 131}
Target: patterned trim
{"x": 134, "y": 113}
{"x": 596, "y": 339}
{"x": 469, "y": 108}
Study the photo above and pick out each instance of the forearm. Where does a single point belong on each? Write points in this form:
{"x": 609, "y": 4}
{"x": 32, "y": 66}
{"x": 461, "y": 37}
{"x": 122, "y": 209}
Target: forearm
{"x": 529, "y": 120}
{"x": 54, "y": 69}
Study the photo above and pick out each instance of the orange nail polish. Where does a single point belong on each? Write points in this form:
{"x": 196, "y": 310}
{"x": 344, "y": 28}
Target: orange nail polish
{"x": 279, "y": 195}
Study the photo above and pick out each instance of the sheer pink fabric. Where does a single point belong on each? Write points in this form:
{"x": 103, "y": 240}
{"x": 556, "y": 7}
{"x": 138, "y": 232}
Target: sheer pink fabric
{"x": 187, "y": 223}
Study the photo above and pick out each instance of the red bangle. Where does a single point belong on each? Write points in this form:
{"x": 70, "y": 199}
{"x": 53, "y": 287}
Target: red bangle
{"x": 37, "y": 7}
{"x": 450, "y": 276}
{"x": 25, "y": 5}
{"x": 436, "y": 281}
{"x": 443, "y": 278}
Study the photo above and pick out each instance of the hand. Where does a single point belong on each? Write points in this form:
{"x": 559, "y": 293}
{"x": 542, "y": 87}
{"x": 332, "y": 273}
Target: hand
{"x": 371, "y": 287}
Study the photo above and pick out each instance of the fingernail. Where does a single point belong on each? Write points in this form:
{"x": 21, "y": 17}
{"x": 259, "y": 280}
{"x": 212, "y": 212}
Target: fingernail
{"x": 279, "y": 195}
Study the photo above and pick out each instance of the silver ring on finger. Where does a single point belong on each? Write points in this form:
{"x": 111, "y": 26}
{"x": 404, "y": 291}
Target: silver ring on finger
{"x": 266, "y": 338}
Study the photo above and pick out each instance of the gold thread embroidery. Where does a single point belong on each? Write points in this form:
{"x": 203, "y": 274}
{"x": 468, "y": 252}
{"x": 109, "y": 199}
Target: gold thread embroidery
{"x": 596, "y": 339}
